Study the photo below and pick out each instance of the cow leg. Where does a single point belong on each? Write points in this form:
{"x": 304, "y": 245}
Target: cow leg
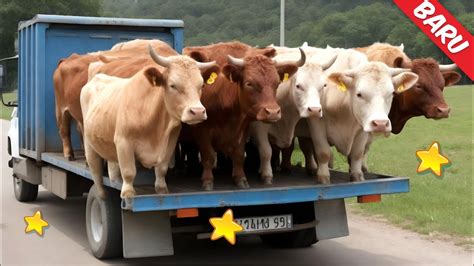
{"x": 80, "y": 130}
{"x": 317, "y": 129}
{"x": 208, "y": 160}
{"x": 306, "y": 146}
{"x": 286, "y": 158}
{"x": 238, "y": 157}
{"x": 260, "y": 133}
{"x": 65, "y": 133}
{"x": 365, "y": 169}
{"x": 126, "y": 160}
{"x": 114, "y": 171}
{"x": 331, "y": 160}
{"x": 96, "y": 167}
{"x": 356, "y": 157}
{"x": 162, "y": 167}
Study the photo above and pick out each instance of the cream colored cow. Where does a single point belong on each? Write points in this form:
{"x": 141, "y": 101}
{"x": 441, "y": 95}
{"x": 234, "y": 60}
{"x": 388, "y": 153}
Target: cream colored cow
{"x": 139, "y": 118}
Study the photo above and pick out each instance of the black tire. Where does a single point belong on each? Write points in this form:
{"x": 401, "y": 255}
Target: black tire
{"x": 295, "y": 239}
{"x": 104, "y": 224}
{"x": 24, "y": 191}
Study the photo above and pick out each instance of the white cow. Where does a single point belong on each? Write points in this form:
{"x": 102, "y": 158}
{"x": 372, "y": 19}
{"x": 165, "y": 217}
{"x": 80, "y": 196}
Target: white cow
{"x": 356, "y": 104}
{"x": 298, "y": 97}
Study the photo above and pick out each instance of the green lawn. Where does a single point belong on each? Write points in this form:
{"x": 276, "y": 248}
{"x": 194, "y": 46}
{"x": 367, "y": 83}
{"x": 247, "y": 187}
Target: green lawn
{"x": 6, "y": 111}
{"x": 434, "y": 204}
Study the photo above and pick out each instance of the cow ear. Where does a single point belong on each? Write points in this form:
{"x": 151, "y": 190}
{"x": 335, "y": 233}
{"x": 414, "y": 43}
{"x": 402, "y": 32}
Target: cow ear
{"x": 286, "y": 71}
{"x": 154, "y": 76}
{"x": 267, "y": 51}
{"x": 342, "y": 80}
{"x": 404, "y": 81}
{"x": 232, "y": 73}
{"x": 210, "y": 74}
{"x": 398, "y": 62}
{"x": 451, "y": 78}
{"x": 199, "y": 56}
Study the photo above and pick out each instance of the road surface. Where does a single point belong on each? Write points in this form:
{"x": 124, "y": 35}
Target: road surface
{"x": 65, "y": 241}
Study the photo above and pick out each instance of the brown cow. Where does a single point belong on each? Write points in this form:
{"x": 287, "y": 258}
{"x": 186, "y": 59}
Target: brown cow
{"x": 247, "y": 93}
{"x": 72, "y": 74}
{"x": 425, "y": 98}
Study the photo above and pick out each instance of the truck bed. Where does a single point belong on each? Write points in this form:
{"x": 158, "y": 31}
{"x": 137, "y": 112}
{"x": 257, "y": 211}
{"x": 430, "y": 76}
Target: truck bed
{"x": 186, "y": 192}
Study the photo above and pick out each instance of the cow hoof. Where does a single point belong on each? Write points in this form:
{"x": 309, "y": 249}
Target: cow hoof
{"x": 70, "y": 158}
{"x": 311, "y": 171}
{"x": 126, "y": 194}
{"x": 161, "y": 190}
{"x": 364, "y": 169}
{"x": 208, "y": 186}
{"x": 242, "y": 183}
{"x": 267, "y": 180}
{"x": 324, "y": 180}
{"x": 357, "y": 177}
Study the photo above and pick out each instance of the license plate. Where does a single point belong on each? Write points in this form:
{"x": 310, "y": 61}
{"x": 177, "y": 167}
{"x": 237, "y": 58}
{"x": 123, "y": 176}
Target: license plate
{"x": 266, "y": 223}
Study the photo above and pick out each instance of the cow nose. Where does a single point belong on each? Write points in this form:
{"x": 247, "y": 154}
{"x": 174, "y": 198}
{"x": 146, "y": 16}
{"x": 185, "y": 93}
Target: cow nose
{"x": 380, "y": 125}
{"x": 314, "y": 111}
{"x": 443, "y": 112}
{"x": 196, "y": 111}
{"x": 273, "y": 111}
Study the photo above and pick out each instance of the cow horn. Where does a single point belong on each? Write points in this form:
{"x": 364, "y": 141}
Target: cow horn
{"x": 396, "y": 71}
{"x": 329, "y": 63}
{"x": 235, "y": 61}
{"x": 160, "y": 60}
{"x": 447, "y": 67}
{"x": 298, "y": 63}
{"x": 206, "y": 65}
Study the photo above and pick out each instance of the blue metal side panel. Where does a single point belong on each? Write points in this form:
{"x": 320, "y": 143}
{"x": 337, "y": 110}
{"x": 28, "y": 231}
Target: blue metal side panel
{"x": 40, "y": 88}
{"x": 266, "y": 196}
{"x": 178, "y": 34}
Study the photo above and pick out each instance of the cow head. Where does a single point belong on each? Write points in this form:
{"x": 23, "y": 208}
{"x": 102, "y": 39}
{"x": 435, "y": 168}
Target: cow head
{"x": 258, "y": 77}
{"x": 426, "y": 96}
{"x": 306, "y": 87}
{"x": 182, "y": 80}
{"x": 371, "y": 87}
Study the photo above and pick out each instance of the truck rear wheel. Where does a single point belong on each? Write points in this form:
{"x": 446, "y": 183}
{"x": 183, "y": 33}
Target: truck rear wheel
{"x": 295, "y": 239}
{"x": 24, "y": 191}
{"x": 104, "y": 223}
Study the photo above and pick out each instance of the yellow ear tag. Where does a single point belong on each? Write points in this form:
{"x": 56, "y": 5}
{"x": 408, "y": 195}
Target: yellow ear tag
{"x": 401, "y": 88}
{"x": 286, "y": 76}
{"x": 212, "y": 78}
{"x": 342, "y": 86}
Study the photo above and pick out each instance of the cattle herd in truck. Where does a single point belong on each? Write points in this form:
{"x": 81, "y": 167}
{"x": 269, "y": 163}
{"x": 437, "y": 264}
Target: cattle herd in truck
{"x": 141, "y": 103}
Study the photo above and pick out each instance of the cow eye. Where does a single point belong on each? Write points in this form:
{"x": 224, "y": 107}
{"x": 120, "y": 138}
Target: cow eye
{"x": 325, "y": 85}
{"x": 173, "y": 86}
{"x": 298, "y": 86}
{"x": 248, "y": 84}
{"x": 359, "y": 95}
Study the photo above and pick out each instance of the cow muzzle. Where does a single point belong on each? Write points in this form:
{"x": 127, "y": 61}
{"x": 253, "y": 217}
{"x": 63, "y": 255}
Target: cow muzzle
{"x": 441, "y": 112}
{"x": 380, "y": 126}
{"x": 315, "y": 111}
{"x": 194, "y": 115}
{"x": 269, "y": 114}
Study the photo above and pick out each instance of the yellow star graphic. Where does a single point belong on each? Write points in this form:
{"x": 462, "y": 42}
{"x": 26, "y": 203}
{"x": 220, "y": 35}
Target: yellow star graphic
{"x": 225, "y": 227}
{"x": 432, "y": 160}
{"x": 35, "y": 223}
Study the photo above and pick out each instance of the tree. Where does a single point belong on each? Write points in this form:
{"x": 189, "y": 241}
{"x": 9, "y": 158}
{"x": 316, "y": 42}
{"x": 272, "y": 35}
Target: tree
{"x": 13, "y": 11}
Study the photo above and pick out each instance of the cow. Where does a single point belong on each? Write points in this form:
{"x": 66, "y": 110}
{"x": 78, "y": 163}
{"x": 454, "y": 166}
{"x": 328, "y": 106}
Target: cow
{"x": 247, "y": 93}
{"x": 424, "y": 99}
{"x": 139, "y": 118}
{"x": 71, "y": 75}
{"x": 298, "y": 97}
{"x": 356, "y": 104}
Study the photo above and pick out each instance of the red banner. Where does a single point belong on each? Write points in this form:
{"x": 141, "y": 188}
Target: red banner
{"x": 443, "y": 29}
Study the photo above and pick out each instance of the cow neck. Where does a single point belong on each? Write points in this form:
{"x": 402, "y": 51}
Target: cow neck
{"x": 398, "y": 115}
{"x": 155, "y": 116}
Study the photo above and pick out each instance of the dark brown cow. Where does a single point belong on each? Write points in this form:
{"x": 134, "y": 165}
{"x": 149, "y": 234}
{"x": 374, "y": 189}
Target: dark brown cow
{"x": 72, "y": 74}
{"x": 424, "y": 99}
{"x": 244, "y": 92}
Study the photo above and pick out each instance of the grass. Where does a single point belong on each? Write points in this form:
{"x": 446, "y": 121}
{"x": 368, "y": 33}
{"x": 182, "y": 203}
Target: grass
{"x": 7, "y": 111}
{"x": 434, "y": 204}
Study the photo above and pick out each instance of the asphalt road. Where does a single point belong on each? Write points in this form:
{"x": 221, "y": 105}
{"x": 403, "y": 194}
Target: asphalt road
{"x": 65, "y": 241}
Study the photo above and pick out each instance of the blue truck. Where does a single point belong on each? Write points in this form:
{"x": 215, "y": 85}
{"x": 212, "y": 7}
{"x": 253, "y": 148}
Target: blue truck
{"x": 294, "y": 212}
